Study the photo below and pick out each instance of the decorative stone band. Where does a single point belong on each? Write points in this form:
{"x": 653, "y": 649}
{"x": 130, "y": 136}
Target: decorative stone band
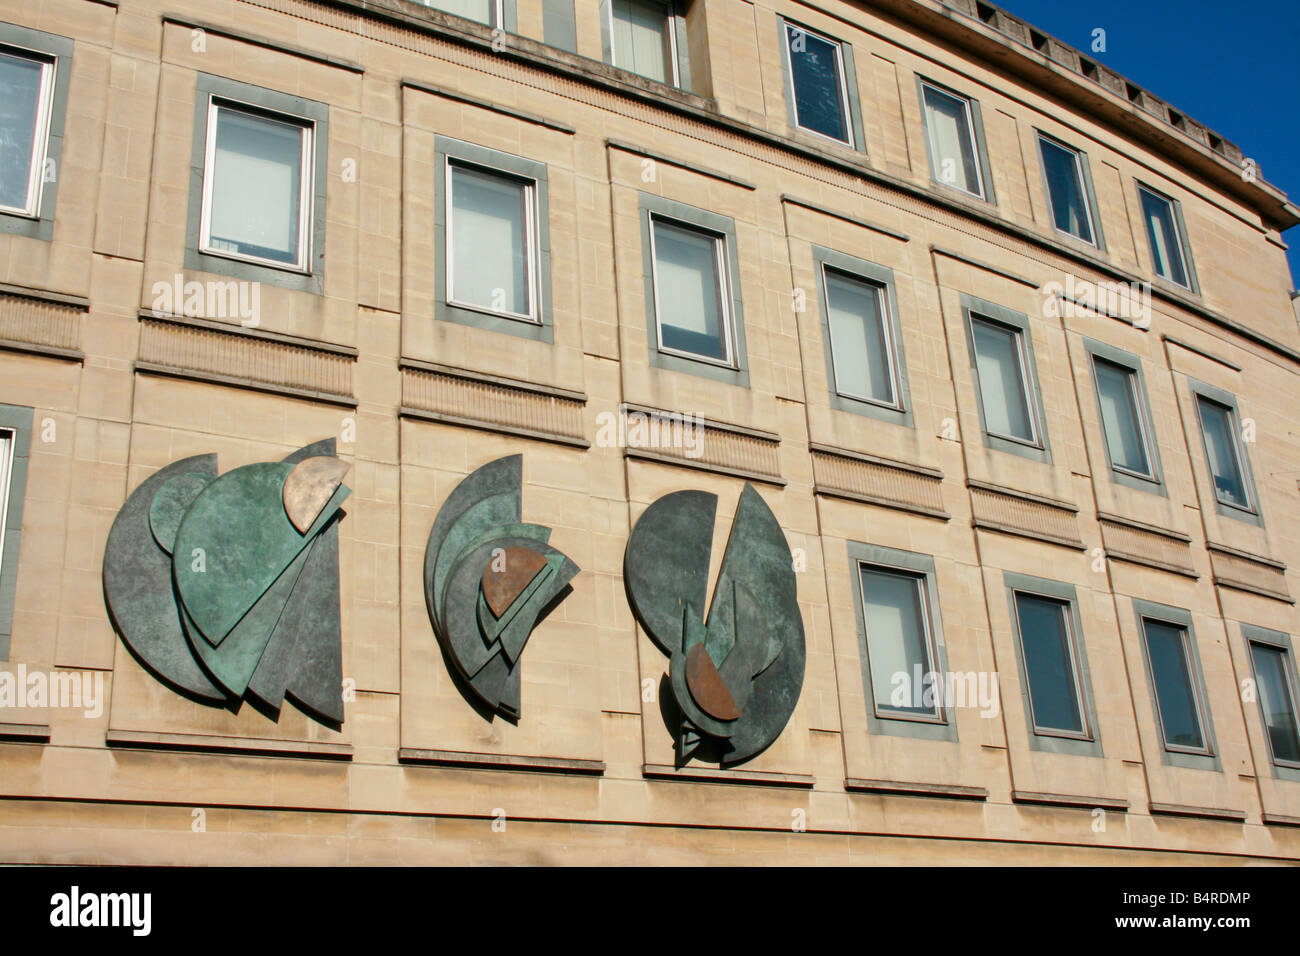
{"x": 1248, "y": 572}
{"x": 1020, "y": 513}
{"x": 705, "y": 445}
{"x": 249, "y": 358}
{"x": 880, "y": 481}
{"x": 1127, "y": 540}
{"x": 493, "y": 403}
{"x": 44, "y": 323}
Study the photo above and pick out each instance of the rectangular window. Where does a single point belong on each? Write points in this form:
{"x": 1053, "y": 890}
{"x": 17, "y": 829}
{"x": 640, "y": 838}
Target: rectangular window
{"x": 1178, "y": 701}
{"x": 818, "y": 87}
{"x": 1122, "y": 419}
{"x": 1067, "y": 194}
{"x": 950, "y": 135}
{"x": 1165, "y": 236}
{"x": 1047, "y": 650}
{"x": 488, "y": 12}
{"x": 1002, "y": 380}
{"x": 690, "y": 291}
{"x": 490, "y": 242}
{"x": 26, "y": 95}
{"x": 6, "y": 467}
{"x": 257, "y": 186}
{"x": 1272, "y": 666}
{"x": 1223, "y": 452}
{"x": 861, "y": 349}
{"x": 644, "y": 38}
{"x": 899, "y": 641}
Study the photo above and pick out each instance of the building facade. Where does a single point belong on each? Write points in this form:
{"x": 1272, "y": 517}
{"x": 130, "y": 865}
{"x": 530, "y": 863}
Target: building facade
{"x": 1003, "y": 341}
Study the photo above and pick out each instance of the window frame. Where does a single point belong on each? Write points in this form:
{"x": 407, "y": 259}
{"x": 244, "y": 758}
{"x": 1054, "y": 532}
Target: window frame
{"x": 306, "y": 183}
{"x": 882, "y": 278}
{"x": 1184, "y": 243}
{"x": 719, "y": 256}
{"x": 1253, "y": 514}
{"x": 36, "y": 220}
{"x": 1281, "y": 641}
{"x": 847, "y": 74}
{"x": 975, "y": 130}
{"x": 678, "y": 43}
{"x": 1086, "y": 191}
{"x": 1177, "y": 755}
{"x": 1088, "y": 743}
{"x": 994, "y": 314}
{"x": 922, "y": 568}
{"x": 16, "y": 420}
{"x": 1153, "y": 483}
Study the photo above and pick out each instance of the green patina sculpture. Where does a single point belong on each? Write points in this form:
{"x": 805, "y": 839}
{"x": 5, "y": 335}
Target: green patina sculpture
{"x": 226, "y": 588}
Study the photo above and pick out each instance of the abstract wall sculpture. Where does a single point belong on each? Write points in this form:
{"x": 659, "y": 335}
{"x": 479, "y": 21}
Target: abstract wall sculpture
{"x": 735, "y": 677}
{"x": 488, "y": 580}
{"x": 227, "y": 588}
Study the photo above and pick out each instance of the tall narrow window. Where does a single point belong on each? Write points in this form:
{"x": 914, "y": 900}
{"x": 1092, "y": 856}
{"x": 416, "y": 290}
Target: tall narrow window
{"x": 1178, "y": 700}
{"x": 1047, "y": 647}
{"x": 861, "y": 349}
{"x": 949, "y": 128}
{"x": 899, "y": 642}
{"x": 1067, "y": 194}
{"x": 1167, "y": 249}
{"x": 1272, "y": 666}
{"x": 817, "y": 84}
{"x": 488, "y": 12}
{"x": 257, "y": 187}
{"x": 1223, "y": 452}
{"x": 644, "y": 40}
{"x": 26, "y": 93}
{"x": 6, "y": 466}
{"x": 1003, "y": 384}
{"x": 491, "y": 245}
{"x": 690, "y": 291}
{"x": 1121, "y": 418}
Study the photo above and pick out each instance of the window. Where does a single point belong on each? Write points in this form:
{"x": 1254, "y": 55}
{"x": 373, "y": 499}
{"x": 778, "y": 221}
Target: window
{"x": 1068, "y": 189}
{"x": 957, "y": 157}
{"x": 1270, "y": 659}
{"x": 1177, "y": 694}
{"x": 899, "y": 644}
{"x": 690, "y": 291}
{"x": 489, "y": 12}
{"x": 645, "y": 38}
{"x": 860, "y": 338}
{"x": 491, "y": 246}
{"x": 817, "y": 84}
{"x": 6, "y": 465}
{"x": 1123, "y": 423}
{"x": 1000, "y": 365}
{"x": 28, "y": 84}
{"x": 1223, "y": 453}
{"x": 15, "y": 441}
{"x": 1047, "y": 649}
{"x": 1169, "y": 255}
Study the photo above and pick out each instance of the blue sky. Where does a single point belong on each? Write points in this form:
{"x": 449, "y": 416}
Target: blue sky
{"x": 1233, "y": 65}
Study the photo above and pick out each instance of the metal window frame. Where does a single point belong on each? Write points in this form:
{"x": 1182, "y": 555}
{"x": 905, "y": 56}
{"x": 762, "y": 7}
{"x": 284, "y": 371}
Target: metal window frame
{"x": 881, "y": 291}
{"x": 976, "y": 151}
{"x": 1278, "y": 641}
{"x": 1085, "y": 190}
{"x": 1206, "y": 749}
{"x": 1139, "y": 414}
{"x": 671, "y": 17}
{"x": 723, "y": 290}
{"x": 306, "y": 182}
{"x": 1180, "y": 234}
{"x": 532, "y": 240}
{"x": 841, "y": 71}
{"x": 1023, "y": 365}
{"x": 1238, "y": 453}
{"x": 41, "y": 133}
{"x": 1067, "y": 609}
{"x": 921, "y": 580}
{"x": 8, "y": 440}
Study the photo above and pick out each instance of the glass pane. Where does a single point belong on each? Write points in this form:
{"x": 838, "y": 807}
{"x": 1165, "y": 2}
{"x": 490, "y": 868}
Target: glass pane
{"x": 952, "y": 150}
{"x": 688, "y": 298}
{"x": 20, "y": 99}
{"x": 489, "y": 241}
{"x": 6, "y": 461}
{"x": 641, "y": 41}
{"x": 896, "y": 639}
{"x": 1272, "y": 668}
{"x": 1048, "y": 663}
{"x": 1065, "y": 189}
{"x": 1162, "y": 231}
{"x": 1175, "y": 692}
{"x": 858, "y": 339}
{"x": 256, "y": 186}
{"x": 1002, "y": 386}
{"x": 480, "y": 10}
{"x": 1221, "y": 449}
{"x": 818, "y": 93}
{"x": 1117, "y": 394}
